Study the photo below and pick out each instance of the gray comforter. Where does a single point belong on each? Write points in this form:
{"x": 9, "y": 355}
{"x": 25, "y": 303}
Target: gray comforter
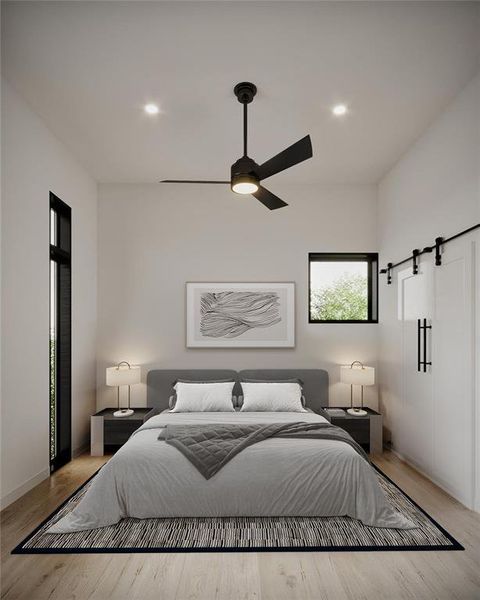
{"x": 275, "y": 477}
{"x": 211, "y": 447}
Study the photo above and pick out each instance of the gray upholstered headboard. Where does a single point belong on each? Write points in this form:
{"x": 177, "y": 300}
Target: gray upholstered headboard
{"x": 159, "y": 382}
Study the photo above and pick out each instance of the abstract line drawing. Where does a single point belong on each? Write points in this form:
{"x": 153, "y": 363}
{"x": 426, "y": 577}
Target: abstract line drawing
{"x": 230, "y": 314}
{"x": 240, "y": 314}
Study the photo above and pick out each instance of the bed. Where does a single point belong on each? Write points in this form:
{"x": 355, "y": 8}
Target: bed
{"x": 276, "y": 477}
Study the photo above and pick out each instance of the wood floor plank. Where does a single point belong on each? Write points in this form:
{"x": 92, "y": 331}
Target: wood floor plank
{"x": 241, "y": 576}
{"x": 218, "y": 576}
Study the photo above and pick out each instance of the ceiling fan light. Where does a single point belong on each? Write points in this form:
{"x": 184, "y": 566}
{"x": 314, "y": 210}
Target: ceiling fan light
{"x": 245, "y": 184}
{"x": 245, "y": 188}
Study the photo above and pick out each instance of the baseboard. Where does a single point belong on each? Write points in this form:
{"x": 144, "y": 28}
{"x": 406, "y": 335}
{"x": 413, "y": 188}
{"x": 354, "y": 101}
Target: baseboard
{"x": 417, "y": 468}
{"x": 80, "y": 450}
{"x": 35, "y": 480}
{"x": 429, "y": 477}
{"x": 24, "y": 488}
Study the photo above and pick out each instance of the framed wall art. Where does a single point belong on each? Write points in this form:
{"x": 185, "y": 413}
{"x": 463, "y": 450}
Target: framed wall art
{"x": 241, "y": 315}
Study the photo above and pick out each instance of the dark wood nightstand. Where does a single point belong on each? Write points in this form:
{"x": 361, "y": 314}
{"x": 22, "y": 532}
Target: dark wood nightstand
{"x": 366, "y": 430}
{"x": 107, "y": 430}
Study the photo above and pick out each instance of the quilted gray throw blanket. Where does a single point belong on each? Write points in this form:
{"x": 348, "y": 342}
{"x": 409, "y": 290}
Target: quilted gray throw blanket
{"x": 210, "y": 447}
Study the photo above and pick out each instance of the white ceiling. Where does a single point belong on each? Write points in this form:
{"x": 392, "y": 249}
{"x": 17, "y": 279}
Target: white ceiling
{"x": 88, "y": 67}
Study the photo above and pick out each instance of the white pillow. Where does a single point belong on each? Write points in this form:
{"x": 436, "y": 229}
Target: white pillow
{"x": 204, "y": 397}
{"x": 272, "y": 397}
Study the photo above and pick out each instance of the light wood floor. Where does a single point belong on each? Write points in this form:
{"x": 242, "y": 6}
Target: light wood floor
{"x": 241, "y": 576}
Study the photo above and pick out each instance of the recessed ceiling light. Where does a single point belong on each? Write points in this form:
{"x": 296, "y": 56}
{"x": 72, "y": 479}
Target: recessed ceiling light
{"x": 151, "y": 109}
{"x": 339, "y": 110}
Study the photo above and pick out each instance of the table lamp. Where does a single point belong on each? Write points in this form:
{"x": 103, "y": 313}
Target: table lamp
{"x": 123, "y": 374}
{"x": 357, "y": 374}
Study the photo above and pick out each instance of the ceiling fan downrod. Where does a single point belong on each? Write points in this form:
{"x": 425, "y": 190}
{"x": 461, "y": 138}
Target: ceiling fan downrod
{"x": 245, "y": 93}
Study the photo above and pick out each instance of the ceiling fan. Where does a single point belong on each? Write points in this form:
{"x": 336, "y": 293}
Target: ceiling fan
{"x": 246, "y": 174}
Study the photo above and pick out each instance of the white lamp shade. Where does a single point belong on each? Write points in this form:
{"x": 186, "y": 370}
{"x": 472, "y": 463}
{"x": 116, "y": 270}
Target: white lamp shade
{"x": 357, "y": 375}
{"x": 123, "y": 375}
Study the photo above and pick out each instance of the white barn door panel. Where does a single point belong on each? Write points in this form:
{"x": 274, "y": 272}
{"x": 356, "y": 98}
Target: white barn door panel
{"x": 415, "y": 302}
{"x": 453, "y": 367}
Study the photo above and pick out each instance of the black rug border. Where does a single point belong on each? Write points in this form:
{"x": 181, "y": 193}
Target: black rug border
{"x": 456, "y": 546}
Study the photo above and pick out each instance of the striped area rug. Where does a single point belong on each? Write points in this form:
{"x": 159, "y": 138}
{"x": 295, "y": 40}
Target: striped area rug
{"x": 227, "y": 534}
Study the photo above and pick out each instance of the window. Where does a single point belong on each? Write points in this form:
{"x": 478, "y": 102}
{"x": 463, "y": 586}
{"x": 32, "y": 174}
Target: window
{"x": 60, "y": 333}
{"x": 343, "y": 287}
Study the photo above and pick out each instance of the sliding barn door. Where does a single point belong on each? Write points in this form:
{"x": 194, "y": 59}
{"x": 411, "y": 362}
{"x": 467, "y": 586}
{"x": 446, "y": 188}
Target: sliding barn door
{"x": 415, "y": 308}
{"x": 436, "y": 308}
{"x": 453, "y": 367}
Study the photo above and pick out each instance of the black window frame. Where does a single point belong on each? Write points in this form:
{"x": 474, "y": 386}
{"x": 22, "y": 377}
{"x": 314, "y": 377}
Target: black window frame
{"x": 372, "y": 261}
{"x": 60, "y": 252}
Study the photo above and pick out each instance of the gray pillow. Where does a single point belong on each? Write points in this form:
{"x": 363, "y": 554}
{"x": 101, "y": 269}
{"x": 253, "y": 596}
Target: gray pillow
{"x": 173, "y": 398}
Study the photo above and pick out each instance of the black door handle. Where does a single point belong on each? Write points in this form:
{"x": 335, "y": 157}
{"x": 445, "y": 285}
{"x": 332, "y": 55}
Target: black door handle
{"x": 425, "y": 363}
{"x": 419, "y": 362}
{"x": 422, "y": 363}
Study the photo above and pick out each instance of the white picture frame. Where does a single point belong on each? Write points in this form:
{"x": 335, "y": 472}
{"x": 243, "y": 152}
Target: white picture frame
{"x": 240, "y": 315}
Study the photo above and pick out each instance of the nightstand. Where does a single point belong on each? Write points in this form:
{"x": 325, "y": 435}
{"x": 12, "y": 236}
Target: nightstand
{"x": 366, "y": 431}
{"x": 107, "y": 430}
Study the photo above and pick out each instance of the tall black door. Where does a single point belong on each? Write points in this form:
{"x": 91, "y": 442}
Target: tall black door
{"x": 60, "y": 333}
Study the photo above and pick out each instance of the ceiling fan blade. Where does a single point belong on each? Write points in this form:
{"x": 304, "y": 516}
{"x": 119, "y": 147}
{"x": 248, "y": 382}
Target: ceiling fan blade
{"x": 294, "y": 154}
{"x": 190, "y": 181}
{"x": 268, "y": 199}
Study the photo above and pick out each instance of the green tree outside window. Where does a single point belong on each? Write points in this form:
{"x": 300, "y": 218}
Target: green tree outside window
{"x": 346, "y": 299}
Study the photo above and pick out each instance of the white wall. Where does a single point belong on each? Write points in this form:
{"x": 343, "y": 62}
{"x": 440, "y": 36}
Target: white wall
{"x": 34, "y": 163}
{"x": 154, "y": 238}
{"x": 432, "y": 191}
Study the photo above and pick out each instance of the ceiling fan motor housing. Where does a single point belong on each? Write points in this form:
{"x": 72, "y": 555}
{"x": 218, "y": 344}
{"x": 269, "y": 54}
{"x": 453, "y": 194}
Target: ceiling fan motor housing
{"x": 244, "y": 171}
